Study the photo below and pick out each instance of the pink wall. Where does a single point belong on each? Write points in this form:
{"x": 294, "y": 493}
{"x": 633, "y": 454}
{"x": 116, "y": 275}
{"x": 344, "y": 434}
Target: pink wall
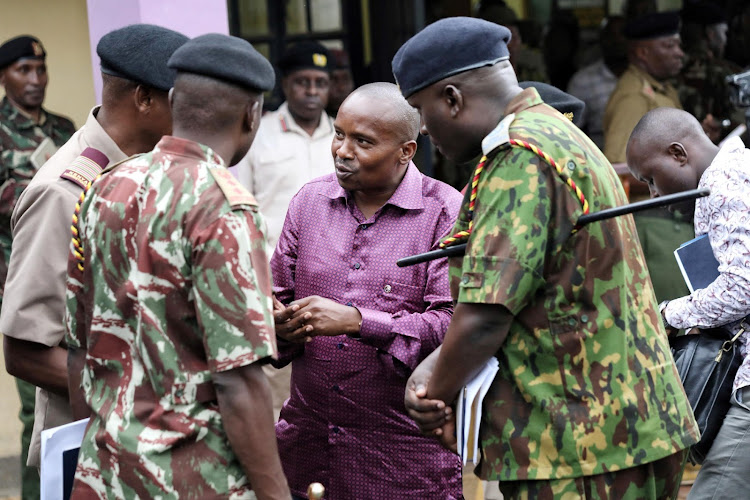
{"x": 191, "y": 17}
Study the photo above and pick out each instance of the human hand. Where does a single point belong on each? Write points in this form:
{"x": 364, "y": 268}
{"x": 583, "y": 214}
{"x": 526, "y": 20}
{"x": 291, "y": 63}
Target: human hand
{"x": 287, "y": 327}
{"x": 431, "y": 415}
{"x": 324, "y": 317}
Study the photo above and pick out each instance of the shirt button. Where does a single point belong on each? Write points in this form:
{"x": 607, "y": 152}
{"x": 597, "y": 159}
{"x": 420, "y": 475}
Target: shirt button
{"x": 584, "y": 319}
{"x": 340, "y": 345}
{"x": 364, "y": 226}
{"x": 357, "y": 265}
{"x": 387, "y": 288}
{"x": 465, "y": 280}
{"x": 335, "y": 430}
{"x": 571, "y": 165}
{"x": 349, "y": 304}
{"x": 572, "y": 322}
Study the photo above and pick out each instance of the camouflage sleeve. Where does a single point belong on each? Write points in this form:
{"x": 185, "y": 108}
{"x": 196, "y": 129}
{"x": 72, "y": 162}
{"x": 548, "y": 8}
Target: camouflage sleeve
{"x": 232, "y": 288}
{"x": 505, "y": 255}
{"x": 283, "y": 267}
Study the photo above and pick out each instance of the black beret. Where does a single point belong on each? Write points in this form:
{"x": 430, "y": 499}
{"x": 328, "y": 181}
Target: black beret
{"x": 20, "y": 47}
{"x": 653, "y": 25}
{"x": 225, "y": 58}
{"x": 140, "y": 52}
{"x": 305, "y": 55}
{"x": 703, "y": 13}
{"x": 572, "y": 107}
{"x": 448, "y": 47}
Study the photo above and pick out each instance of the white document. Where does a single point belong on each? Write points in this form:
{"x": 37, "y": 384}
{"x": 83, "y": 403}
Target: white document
{"x": 55, "y": 442}
{"x": 469, "y": 411}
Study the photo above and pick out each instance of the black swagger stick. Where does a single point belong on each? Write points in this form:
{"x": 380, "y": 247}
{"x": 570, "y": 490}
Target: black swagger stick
{"x": 459, "y": 250}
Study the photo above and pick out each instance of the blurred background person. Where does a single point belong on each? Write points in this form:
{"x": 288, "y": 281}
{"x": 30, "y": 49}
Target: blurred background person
{"x": 342, "y": 81}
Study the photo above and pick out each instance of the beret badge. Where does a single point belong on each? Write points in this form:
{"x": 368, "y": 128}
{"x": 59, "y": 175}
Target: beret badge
{"x": 320, "y": 60}
{"x": 36, "y": 47}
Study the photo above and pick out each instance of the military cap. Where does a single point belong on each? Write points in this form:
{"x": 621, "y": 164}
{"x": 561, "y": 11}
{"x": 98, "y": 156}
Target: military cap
{"x": 569, "y": 105}
{"x": 305, "y": 55}
{"x": 139, "y": 52}
{"x": 653, "y": 25}
{"x": 226, "y": 58}
{"x": 703, "y": 13}
{"x": 448, "y": 47}
{"x": 21, "y": 47}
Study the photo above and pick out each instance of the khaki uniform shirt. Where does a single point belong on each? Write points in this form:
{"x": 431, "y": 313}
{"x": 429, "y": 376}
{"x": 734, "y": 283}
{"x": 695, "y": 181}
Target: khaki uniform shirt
{"x": 636, "y": 94}
{"x": 34, "y": 302}
{"x": 282, "y": 159}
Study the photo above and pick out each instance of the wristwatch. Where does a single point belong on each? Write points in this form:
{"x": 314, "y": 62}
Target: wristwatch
{"x": 662, "y": 311}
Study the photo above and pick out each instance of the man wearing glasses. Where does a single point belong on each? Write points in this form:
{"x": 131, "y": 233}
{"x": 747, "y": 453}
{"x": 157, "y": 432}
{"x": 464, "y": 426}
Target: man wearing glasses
{"x": 293, "y": 146}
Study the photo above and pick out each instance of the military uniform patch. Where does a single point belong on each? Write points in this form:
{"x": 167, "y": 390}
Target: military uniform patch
{"x": 86, "y": 167}
{"x": 235, "y": 192}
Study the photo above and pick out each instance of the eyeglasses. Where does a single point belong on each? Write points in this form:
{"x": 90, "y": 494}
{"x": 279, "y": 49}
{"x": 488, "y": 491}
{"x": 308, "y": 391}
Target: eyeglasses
{"x": 307, "y": 84}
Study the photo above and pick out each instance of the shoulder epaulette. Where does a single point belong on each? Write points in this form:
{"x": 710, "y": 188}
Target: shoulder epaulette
{"x": 112, "y": 166}
{"x": 235, "y": 193}
{"x": 86, "y": 167}
{"x": 500, "y": 135}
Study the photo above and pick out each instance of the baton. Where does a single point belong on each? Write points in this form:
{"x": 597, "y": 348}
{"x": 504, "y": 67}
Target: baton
{"x": 670, "y": 199}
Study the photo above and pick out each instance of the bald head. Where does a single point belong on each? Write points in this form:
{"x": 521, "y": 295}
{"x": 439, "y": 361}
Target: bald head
{"x": 669, "y": 151}
{"x": 393, "y": 106}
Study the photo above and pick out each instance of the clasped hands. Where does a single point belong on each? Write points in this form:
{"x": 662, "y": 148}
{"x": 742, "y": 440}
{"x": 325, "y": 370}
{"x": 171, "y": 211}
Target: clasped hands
{"x": 314, "y": 316}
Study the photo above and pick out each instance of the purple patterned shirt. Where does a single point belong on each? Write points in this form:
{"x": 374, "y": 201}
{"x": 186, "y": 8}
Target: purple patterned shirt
{"x": 725, "y": 216}
{"x": 344, "y": 424}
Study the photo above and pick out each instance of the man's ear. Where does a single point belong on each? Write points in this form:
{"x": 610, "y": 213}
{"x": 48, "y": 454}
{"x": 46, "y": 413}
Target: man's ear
{"x": 454, "y": 98}
{"x": 143, "y": 97}
{"x": 678, "y": 152}
{"x": 408, "y": 149}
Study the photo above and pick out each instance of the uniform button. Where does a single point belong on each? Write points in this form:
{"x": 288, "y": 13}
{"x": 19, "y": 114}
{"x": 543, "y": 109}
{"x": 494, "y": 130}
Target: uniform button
{"x": 179, "y": 393}
{"x": 465, "y": 280}
{"x": 357, "y": 265}
{"x": 340, "y": 345}
{"x": 349, "y": 304}
{"x": 572, "y": 322}
{"x": 584, "y": 319}
{"x": 335, "y": 430}
{"x": 387, "y": 288}
{"x": 571, "y": 165}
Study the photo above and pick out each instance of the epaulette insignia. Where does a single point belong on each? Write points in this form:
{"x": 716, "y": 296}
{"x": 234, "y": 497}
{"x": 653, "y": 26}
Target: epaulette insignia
{"x": 499, "y": 136}
{"x": 235, "y": 193}
{"x": 86, "y": 167}
{"x": 568, "y": 115}
{"x": 648, "y": 90}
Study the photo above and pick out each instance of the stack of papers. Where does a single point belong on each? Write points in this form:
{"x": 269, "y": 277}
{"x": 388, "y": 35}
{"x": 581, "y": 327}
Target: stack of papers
{"x": 469, "y": 411}
{"x": 60, "y": 447}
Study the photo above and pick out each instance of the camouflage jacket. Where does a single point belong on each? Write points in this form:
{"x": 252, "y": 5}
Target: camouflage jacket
{"x": 586, "y": 382}
{"x": 703, "y": 89}
{"x": 19, "y": 138}
{"x": 175, "y": 286}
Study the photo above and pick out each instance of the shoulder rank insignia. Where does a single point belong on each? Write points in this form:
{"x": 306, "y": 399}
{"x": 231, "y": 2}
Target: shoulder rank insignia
{"x": 499, "y": 136}
{"x": 648, "y": 90}
{"x": 86, "y": 167}
{"x": 235, "y": 193}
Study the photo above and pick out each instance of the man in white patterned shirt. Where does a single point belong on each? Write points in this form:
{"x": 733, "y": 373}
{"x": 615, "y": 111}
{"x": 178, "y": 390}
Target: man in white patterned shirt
{"x": 669, "y": 150}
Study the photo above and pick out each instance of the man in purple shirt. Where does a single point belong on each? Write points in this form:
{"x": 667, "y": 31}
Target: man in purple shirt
{"x": 355, "y": 324}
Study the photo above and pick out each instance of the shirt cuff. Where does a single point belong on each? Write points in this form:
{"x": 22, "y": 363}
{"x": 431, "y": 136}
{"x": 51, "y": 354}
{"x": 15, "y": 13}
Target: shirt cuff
{"x": 375, "y": 324}
{"x": 670, "y": 313}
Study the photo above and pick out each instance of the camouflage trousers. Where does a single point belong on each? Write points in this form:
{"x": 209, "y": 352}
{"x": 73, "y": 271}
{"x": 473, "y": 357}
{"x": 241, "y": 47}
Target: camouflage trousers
{"x": 653, "y": 481}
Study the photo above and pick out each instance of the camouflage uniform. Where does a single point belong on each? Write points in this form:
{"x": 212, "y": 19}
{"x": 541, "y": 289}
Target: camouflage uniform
{"x": 703, "y": 89}
{"x": 176, "y": 286}
{"x": 19, "y": 138}
{"x": 586, "y": 385}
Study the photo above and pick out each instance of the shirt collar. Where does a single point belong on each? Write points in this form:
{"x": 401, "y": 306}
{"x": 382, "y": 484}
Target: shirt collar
{"x": 655, "y": 84}
{"x": 96, "y": 137}
{"x": 525, "y": 99}
{"x": 287, "y": 123}
{"x": 408, "y": 194}
{"x": 191, "y": 149}
{"x": 21, "y": 119}
{"x": 730, "y": 146}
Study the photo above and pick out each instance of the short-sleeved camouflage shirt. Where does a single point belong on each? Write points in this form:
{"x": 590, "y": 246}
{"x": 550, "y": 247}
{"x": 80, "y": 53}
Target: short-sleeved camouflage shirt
{"x": 586, "y": 382}
{"x": 175, "y": 286}
{"x": 20, "y": 136}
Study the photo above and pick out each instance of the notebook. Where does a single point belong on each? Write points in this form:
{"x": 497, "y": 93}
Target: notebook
{"x": 60, "y": 447}
{"x": 697, "y": 262}
{"x": 469, "y": 411}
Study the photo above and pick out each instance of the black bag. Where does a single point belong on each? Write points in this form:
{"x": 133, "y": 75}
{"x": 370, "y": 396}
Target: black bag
{"x": 707, "y": 363}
